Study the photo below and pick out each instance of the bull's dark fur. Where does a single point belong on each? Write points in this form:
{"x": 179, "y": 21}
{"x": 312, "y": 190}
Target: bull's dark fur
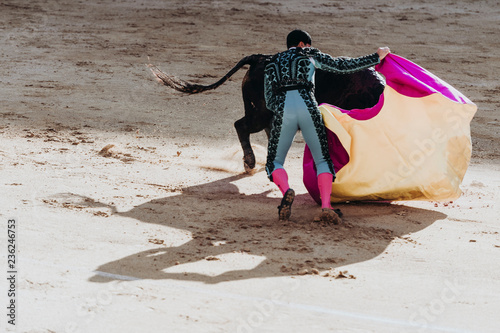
{"x": 352, "y": 91}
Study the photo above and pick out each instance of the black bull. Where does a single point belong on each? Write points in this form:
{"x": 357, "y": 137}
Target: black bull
{"x": 349, "y": 91}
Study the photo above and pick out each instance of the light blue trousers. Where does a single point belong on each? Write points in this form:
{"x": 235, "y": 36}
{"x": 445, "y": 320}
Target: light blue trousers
{"x": 297, "y": 117}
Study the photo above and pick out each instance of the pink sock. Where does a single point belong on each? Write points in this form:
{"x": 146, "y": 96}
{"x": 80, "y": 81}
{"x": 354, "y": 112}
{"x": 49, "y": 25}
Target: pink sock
{"x": 280, "y": 178}
{"x": 325, "y": 189}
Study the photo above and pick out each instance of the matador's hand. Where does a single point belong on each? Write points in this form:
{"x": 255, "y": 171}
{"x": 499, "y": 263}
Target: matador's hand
{"x": 382, "y": 52}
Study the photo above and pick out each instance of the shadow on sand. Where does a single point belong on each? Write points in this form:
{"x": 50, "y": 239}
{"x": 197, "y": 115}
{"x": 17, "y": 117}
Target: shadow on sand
{"x": 230, "y": 229}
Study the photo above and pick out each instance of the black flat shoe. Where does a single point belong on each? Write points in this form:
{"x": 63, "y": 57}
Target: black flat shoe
{"x": 329, "y": 216}
{"x": 285, "y": 209}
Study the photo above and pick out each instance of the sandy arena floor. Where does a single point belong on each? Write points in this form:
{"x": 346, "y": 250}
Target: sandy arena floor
{"x": 166, "y": 233}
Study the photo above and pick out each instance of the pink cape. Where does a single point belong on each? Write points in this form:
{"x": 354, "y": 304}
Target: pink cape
{"x": 413, "y": 144}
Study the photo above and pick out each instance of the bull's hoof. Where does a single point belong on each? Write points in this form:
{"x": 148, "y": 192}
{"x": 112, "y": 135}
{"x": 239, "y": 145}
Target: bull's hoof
{"x": 249, "y": 162}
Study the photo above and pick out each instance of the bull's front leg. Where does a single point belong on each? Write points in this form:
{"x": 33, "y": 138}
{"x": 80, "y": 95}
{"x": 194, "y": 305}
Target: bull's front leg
{"x": 244, "y": 131}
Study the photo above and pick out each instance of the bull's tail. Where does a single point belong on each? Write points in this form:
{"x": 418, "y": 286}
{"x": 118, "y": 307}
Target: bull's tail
{"x": 193, "y": 88}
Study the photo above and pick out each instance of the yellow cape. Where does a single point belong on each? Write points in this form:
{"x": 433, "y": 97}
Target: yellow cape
{"x": 414, "y": 149}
